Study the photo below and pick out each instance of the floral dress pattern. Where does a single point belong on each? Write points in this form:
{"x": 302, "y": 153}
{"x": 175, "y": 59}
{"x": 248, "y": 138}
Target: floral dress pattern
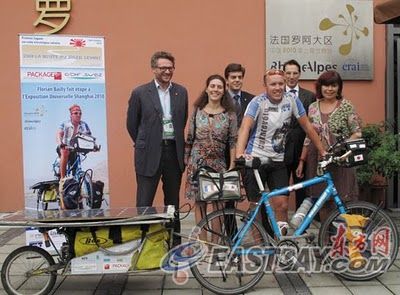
{"x": 213, "y": 133}
{"x": 342, "y": 121}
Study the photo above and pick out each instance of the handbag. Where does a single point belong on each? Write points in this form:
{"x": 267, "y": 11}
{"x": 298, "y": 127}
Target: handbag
{"x": 214, "y": 186}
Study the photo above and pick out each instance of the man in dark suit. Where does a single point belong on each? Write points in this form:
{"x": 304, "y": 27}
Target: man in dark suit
{"x": 234, "y": 75}
{"x": 157, "y": 115}
{"x": 296, "y": 135}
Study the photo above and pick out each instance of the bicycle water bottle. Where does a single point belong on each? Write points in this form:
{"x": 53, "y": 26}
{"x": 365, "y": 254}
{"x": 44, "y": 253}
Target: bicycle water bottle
{"x": 301, "y": 212}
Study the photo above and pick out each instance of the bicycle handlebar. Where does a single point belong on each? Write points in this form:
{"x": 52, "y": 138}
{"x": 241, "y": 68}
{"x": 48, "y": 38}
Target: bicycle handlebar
{"x": 96, "y": 148}
{"x": 329, "y": 159}
{"x": 257, "y": 162}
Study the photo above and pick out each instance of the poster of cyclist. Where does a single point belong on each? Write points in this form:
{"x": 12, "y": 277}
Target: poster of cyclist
{"x": 64, "y": 130}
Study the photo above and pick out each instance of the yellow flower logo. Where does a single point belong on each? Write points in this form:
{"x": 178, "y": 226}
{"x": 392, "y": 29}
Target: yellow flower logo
{"x": 350, "y": 28}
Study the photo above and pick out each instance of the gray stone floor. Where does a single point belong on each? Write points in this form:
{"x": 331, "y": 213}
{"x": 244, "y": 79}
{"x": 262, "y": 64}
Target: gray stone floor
{"x": 157, "y": 282}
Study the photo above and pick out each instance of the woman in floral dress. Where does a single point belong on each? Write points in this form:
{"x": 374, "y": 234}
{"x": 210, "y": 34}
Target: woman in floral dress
{"x": 212, "y": 127}
{"x": 332, "y": 116}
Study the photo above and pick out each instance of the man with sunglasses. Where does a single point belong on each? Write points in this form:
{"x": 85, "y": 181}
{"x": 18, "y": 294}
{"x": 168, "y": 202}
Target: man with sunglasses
{"x": 66, "y": 131}
{"x": 156, "y": 119}
{"x": 262, "y": 134}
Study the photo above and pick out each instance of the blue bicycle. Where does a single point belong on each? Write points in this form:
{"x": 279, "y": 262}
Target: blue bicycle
{"x": 77, "y": 181}
{"x": 241, "y": 252}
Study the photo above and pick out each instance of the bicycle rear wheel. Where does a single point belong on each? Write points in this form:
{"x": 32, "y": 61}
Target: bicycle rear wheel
{"x": 25, "y": 271}
{"x": 379, "y": 249}
{"x": 220, "y": 270}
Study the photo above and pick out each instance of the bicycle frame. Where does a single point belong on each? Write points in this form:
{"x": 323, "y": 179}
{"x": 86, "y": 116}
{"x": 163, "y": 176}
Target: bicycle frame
{"x": 77, "y": 166}
{"x": 329, "y": 191}
{"x": 241, "y": 245}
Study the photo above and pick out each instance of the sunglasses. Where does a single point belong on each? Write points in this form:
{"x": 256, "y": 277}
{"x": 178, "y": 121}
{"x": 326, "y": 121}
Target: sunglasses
{"x": 76, "y": 113}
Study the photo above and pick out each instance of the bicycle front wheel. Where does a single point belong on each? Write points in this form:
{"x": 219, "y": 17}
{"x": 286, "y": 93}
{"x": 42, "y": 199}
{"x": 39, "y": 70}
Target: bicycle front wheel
{"x": 378, "y": 244}
{"x": 26, "y": 271}
{"x": 87, "y": 191}
{"x": 221, "y": 270}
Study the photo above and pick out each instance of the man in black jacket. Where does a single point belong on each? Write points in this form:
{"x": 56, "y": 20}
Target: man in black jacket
{"x": 296, "y": 135}
{"x": 234, "y": 75}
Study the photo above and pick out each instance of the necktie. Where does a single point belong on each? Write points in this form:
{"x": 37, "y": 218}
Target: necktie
{"x": 294, "y": 91}
{"x": 237, "y": 100}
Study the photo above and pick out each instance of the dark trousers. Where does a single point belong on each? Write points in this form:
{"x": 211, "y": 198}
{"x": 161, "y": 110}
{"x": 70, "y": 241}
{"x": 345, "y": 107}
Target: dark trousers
{"x": 301, "y": 193}
{"x": 171, "y": 175}
{"x": 253, "y": 194}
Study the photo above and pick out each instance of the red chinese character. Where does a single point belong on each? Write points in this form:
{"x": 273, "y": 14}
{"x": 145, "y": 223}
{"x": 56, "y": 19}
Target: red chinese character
{"x": 381, "y": 241}
{"x": 339, "y": 242}
{"x": 360, "y": 242}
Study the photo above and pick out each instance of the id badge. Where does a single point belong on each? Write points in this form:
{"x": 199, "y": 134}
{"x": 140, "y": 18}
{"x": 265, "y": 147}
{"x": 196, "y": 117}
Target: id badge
{"x": 168, "y": 128}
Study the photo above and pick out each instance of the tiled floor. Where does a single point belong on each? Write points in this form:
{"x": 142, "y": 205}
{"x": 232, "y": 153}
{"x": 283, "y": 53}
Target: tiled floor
{"x": 158, "y": 282}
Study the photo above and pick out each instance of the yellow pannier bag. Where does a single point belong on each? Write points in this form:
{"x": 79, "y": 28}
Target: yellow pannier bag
{"x": 50, "y": 194}
{"x": 88, "y": 240}
{"x": 154, "y": 248}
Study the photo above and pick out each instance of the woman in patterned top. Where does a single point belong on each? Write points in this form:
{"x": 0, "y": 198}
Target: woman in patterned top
{"x": 331, "y": 116}
{"x": 212, "y": 127}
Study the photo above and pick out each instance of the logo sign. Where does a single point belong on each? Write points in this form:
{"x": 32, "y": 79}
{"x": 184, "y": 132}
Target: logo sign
{"x": 321, "y": 35}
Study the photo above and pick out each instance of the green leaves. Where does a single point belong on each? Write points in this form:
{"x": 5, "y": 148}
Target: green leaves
{"x": 383, "y": 153}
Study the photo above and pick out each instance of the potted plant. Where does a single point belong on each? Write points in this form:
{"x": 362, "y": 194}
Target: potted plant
{"x": 383, "y": 163}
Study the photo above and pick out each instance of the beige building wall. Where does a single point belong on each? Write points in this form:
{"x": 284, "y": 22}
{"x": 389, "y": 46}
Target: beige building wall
{"x": 204, "y": 36}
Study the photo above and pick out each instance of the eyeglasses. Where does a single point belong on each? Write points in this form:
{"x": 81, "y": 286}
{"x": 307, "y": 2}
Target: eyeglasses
{"x": 76, "y": 113}
{"x": 164, "y": 69}
{"x": 272, "y": 72}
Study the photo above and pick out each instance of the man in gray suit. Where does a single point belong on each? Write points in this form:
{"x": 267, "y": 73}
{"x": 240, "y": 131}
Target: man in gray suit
{"x": 157, "y": 115}
{"x": 296, "y": 135}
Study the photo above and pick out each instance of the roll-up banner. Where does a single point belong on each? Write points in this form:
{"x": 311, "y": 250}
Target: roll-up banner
{"x": 63, "y": 95}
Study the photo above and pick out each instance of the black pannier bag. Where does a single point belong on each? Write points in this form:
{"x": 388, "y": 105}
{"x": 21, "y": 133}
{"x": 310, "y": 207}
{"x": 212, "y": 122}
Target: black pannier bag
{"x": 71, "y": 193}
{"x": 97, "y": 196}
{"x": 358, "y": 155}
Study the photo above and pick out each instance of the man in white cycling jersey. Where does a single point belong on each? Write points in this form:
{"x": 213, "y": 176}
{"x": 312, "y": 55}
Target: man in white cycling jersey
{"x": 263, "y": 134}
